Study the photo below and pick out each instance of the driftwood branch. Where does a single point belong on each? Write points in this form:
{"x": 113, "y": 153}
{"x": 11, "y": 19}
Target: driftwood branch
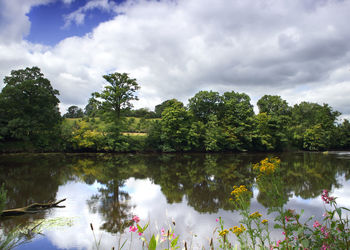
{"x": 32, "y": 208}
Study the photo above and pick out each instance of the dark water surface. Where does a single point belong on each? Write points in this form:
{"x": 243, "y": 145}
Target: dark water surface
{"x": 191, "y": 189}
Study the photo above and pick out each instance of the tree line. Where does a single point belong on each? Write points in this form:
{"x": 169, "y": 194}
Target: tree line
{"x": 211, "y": 122}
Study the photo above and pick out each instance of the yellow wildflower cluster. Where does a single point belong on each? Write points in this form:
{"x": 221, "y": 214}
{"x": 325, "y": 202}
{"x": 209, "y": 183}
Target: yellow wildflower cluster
{"x": 238, "y": 230}
{"x": 267, "y": 166}
{"x": 264, "y": 221}
{"x": 240, "y": 191}
{"x": 223, "y": 232}
{"x": 255, "y": 215}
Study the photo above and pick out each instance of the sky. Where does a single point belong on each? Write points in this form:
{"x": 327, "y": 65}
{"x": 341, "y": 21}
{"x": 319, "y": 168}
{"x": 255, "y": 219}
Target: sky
{"x": 297, "y": 49}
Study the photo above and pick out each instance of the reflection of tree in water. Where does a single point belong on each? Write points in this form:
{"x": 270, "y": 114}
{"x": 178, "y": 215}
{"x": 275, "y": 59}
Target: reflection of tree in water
{"x": 205, "y": 180}
{"x": 28, "y": 179}
{"x": 111, "y": 202}
{"x": 306, "y": 175}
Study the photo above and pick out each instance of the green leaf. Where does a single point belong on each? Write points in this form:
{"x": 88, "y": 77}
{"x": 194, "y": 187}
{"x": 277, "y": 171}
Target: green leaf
{"x": 145, "y": 227}
{"x": 152, "y": 243}
{"x": 174, "y": 242}
{"x": 277, "y": 226}
{"x": 338, "y": 211}
{"x": 305, "y": 243}
{"x": 300, "y": 231}
{"x": 139, "y": 228}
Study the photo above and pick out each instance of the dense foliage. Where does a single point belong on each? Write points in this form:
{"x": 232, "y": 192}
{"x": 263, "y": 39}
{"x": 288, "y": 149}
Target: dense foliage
{"x": 210, "y": 122}
{"x": 29, "y": 110}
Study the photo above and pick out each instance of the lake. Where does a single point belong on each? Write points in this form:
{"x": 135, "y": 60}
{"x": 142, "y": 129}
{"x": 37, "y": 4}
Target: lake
{"x": 192, "y": 190}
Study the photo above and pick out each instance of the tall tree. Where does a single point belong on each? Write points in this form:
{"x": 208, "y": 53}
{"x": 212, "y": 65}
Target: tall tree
{"x": 236, "y": 115}
{"x": 118, "y": 94}
{"x": 29, "y": 108}
{"x": 204, "y": 104}
{"x": 92, "y": 107}
{"x": 272, "y": 122}
{"x": 74, "y": 112}
{"x": 273, "y": 105}
{"x": 161, "y": 107}
{"x": 313, "y": 125}
{"x": 175, "y": 126}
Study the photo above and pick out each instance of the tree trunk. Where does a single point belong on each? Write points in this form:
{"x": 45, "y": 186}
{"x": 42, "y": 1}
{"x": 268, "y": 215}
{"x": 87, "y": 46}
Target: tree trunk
{"x": 33, "y": 208}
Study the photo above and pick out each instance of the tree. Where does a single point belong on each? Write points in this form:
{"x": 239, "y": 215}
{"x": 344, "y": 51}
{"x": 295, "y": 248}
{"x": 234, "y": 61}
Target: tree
{"x": 92, "y": 107}
{"x": 29, "y": 108}
{"x": 236, "y": 115}
{"x": 161, "y": 107}
{"x": 273, "y": 105}
{"x": 175, "y": 126}
{"x": 278, "y": 116}
{"x": 203, "y": 104}
{"x": 312, "y": 120}
{"x": 74, "y": 112}
{"x": 118, "y": 95}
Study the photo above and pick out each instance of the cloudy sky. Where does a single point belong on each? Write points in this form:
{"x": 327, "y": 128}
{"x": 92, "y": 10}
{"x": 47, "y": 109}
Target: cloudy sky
{"x": 298, "y": 49}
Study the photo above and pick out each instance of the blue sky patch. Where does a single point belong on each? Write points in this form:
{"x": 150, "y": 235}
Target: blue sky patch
{"x": 47, "y": 21}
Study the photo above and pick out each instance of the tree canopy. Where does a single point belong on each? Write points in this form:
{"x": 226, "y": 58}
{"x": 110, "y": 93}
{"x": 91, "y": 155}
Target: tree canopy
{"x": 29, "y": 108}
{"x": 118, "y": 94}
{"x": 74, "y": 112}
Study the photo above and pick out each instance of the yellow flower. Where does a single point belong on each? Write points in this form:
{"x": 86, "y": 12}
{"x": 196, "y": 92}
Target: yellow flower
{"x": 238, "y": 230}
{"x": 255, "y": 215}
{"x": 223, "y": 232}
{"x": 264, "y": 221}
{"x": 239, "y": 191}
{"x": 267, "y": 166}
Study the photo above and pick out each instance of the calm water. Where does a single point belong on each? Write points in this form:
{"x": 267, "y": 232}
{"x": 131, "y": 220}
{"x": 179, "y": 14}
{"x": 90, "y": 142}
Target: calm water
{"x": 191, "y": 189}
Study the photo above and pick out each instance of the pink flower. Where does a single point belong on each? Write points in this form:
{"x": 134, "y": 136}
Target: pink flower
{"x": 136, "y": 219}
{"x": 278, "y": 243}
{"x": 284, "y": 233}
{"x": 286, "y": 218}
{"x": 217, "y": 219}
{"x": 325, "y": 196}
{"x": 316, "y": 224}
{"x": 132, "y": 229}
{"x": 324, "y": 247}
{"x": 140, "y": 233}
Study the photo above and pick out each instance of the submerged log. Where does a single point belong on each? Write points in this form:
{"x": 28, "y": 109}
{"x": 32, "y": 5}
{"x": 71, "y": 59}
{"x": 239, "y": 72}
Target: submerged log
{"x": 32, "y": 208}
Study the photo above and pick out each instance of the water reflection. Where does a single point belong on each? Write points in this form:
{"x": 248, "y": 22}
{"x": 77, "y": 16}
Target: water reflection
{"x": 193, "y": 189}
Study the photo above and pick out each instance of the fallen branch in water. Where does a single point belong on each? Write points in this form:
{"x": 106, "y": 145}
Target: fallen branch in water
{"x": 32, "y": 208}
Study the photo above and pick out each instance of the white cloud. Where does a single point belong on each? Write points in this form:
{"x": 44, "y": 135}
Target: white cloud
{"x": 295, "y": 49}
{"x": 78, "y": 16}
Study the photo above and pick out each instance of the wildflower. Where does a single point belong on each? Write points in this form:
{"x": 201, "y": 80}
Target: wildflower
{"x": 324, "y": 247}
{"x": 278, "y": 243}
{"x": 316, "y": 224}
{"x": 223, "y": 232}
{"x": 132, "y": 229}
{"x": 287, "y": 218}
{"x": 217, "y": 219}
{"x": 238, "y": 230}
{"x": 240, "y": 192}
{"x": 267, "y": 166}
{"x": 255, "y": 215}
{"x": 325, "y": 196}
{"x": 140, "y": 234}
{"x": 136, "y": 219}
{"x": 264, "y": 221}
{"x": 284, "y": 233}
